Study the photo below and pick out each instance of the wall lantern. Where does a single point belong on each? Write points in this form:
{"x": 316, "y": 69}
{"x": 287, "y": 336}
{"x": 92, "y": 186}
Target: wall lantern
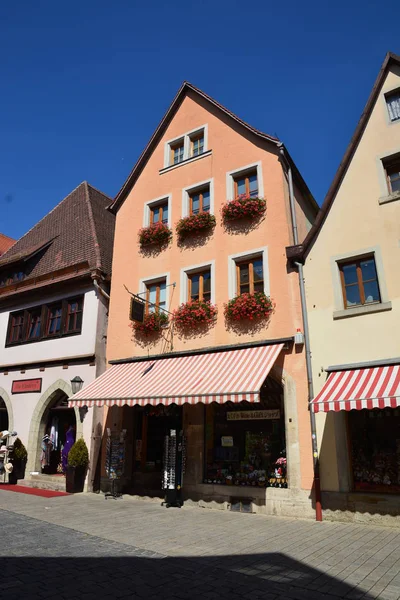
{"x": 76, "y": 384}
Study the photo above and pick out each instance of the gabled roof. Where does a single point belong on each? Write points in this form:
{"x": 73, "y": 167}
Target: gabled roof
{"x": 5, "y": 243}
{"x": 300, "y": 251}
{"x": 78, "y": 229}
{"x": 177, "y": 101}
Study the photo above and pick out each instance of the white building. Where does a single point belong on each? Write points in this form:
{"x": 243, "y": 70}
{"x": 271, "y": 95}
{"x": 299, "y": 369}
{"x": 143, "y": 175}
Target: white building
{"x": 54, "y": 284}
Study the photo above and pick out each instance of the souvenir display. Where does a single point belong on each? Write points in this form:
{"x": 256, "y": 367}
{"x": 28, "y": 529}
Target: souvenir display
{"x": 115, "y": 459}
{"x": 174, "y": 462}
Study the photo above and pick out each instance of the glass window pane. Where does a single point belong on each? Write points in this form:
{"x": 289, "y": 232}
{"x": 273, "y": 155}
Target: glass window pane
{"x": 165, "y": 213}
{"x": 156, "y": 214}
{"x": 353, "y": 295}
{"x": 395, "y": 183}
{"x": 163, "y": 292}
{"x": 206, "y": 282}
{"x": 79, "y": 320}
{"x": 368, "y": 269}
{"x": 258, "y": 286}
{"x": 206, "y": 201}
{"x": 350, "y": 273}
{"x": 253, "y": 184}
{"x": 244, "y": 273}
{"x": 152, "y": 297}
{"x": 258, "y": 270}
{"x": 371, "y": 292}
{"x": 241, "y": 186}
{"x": 244, "y": 289}
{"x": 195, "y": 203}
{"x": 195, "y": 285}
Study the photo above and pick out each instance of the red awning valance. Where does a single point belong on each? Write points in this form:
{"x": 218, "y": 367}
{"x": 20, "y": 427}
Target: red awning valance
{"x": 232, "y": 375}
{"x": 377, "y": 387}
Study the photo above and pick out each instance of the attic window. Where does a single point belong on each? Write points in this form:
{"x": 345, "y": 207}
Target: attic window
{"x": 188, "y": 146}
{"x": 393, "y": 105}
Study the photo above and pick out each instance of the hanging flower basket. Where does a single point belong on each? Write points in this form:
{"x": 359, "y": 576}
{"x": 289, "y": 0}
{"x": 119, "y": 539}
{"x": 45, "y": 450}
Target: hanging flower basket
{"x": 153, "y": 323}
{"x": 243, "y": 207}
{"x": 194, "y": 224}
{"x": 157, "y": 233}
{"x": 249, "y": 306}
{"x": 193, "y": 313}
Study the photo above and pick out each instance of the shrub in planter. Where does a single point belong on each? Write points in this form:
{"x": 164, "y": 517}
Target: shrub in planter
{"x": 154, "y": 322}
{"x": 78, "y": 460}
{"x": 157, "y": 233}
{"x": 19, "y": 457}
{"x": 194, "y": 224}
{"x": 243, "y": 207}
{"x": 249, "y": 306}
{"x": 193, "y": 313}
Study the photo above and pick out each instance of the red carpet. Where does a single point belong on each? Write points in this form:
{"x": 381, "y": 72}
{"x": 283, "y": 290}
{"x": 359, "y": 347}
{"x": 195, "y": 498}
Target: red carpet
{"x": 21, "y": 489}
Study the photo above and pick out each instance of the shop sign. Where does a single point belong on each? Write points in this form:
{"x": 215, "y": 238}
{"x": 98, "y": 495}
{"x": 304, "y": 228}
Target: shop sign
{"x": 227, "y": 441}
{"x": 24, "y": 386}
{"x": 253, "y": 415}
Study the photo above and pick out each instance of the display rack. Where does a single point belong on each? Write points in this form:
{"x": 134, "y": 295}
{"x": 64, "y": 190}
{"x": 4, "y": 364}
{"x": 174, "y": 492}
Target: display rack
{"x": 174, "y": 463}
{"x": 115, "y": 461}
{"x": 6, "y": 448}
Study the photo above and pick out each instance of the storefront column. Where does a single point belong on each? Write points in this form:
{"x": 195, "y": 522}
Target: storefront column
{"x": 292, "y": 431}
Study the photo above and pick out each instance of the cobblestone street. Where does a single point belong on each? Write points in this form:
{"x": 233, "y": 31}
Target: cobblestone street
{"x": 85, "y": 547}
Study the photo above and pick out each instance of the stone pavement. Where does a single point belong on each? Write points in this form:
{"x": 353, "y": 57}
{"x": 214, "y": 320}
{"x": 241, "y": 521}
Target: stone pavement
{"x": 85, "y": 547}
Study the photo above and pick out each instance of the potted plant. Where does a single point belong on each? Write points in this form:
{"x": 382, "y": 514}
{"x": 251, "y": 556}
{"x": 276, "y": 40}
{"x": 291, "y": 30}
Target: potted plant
{"x": 249, "y": 307}
{"x": 157, "y": 233}
{"x": 78, "y": 460}
{"x": 244, "y": 206}
{"x": 194, "y": 313}
{"x": 19, "y": 457}
{"x": 194, "y": 224}
{"x": 153, "y": 322}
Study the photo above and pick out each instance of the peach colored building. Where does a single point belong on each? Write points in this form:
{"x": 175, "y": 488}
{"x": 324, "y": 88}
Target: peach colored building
{"x": 351, "y": 274}
{"x": 201, "y": 156}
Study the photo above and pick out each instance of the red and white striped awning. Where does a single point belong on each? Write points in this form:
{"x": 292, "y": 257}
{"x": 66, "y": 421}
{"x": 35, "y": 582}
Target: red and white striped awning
{"x": 232, "y": 375}
{"x": 375, "y": 387}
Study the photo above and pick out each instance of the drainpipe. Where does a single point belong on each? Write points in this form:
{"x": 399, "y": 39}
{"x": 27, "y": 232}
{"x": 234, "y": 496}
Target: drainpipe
{"x": 317, "y": 482}
{"x": 100, "y": 289}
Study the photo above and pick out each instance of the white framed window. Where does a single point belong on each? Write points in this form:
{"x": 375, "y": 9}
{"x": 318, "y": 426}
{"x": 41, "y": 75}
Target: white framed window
{"x": 245, "y": 180}
{"x": 392, "y": 100}
{"x": 158, "y": 210}
{"x": 388, "y": 165}
{"x": 189, "y": 146}
{"x": 198, "y": 282}
{"x": 198, "y": 197}
{"x": 154, "y": 290}
{"x": 248, "y": 272}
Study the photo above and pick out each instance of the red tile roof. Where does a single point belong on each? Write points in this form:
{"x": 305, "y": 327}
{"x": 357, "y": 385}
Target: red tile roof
{"x": 78, "y": 229}
{"x": 5, "y": 243}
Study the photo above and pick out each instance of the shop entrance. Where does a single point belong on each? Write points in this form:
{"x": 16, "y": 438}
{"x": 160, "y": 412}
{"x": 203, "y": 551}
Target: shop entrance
{"x": 3, "y": 415}
{"x": 150, "y": 425}
{"x": 374, "y": 437}
{"x": 59, "y": 435}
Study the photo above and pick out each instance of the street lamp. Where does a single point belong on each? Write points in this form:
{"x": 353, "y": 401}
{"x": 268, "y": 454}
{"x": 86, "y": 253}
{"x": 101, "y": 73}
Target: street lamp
{"x": 76, "y": 384}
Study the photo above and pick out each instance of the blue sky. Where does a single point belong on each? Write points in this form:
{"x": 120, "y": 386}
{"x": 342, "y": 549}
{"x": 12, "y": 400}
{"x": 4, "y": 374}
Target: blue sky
{"x": 85, "y": 83}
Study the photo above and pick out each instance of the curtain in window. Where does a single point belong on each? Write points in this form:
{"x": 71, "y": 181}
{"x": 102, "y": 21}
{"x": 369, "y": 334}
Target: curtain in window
{"x": 393, "y": 103}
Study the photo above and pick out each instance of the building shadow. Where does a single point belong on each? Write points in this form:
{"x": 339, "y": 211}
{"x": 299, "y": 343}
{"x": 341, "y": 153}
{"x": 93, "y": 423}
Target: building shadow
{"x": 243, "y": 226}
{"x": 144, "y": 574}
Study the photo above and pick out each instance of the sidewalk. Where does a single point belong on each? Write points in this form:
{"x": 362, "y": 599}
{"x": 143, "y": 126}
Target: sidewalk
{"x": 316, "y": 559}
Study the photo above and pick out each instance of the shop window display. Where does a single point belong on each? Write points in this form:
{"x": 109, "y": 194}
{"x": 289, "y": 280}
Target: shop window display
{"x": 375, "y": 449}
{"x": 245, "y": 444}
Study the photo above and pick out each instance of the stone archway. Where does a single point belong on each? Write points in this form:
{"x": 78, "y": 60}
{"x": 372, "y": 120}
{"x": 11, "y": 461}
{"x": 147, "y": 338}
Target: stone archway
{"x": 6, "y": 399}
{"x": 38, "y": 422}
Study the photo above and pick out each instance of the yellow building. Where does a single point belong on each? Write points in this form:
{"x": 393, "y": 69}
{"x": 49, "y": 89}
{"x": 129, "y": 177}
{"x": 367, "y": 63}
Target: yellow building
{"x": 351, "y": 262}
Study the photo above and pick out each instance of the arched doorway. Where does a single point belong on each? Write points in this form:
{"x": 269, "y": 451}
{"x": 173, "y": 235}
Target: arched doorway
{"x": 4, "y": 423}
{"x": 59, "y": 432}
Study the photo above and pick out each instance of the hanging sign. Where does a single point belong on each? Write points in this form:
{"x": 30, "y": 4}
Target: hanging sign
{"x": 137, "y": 310}
{"x": 24, "y": 386}
{"x": 253, "y": 415}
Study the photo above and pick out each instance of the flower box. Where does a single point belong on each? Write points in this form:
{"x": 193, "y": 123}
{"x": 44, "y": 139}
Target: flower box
{"x": 194, "y": 224}
{"x": 193, "y": 313}
{"x": 243, "y": 207}
{"x": 157, "y": 233}
{"x": 249, "y": 306}
{"x": 153, "y": 322}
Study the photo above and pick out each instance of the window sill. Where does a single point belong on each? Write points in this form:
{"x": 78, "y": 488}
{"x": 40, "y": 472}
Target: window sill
{"x": 390, "y": 198}
{"x": 185, "y": 162}
{"x": 362, "y": 310}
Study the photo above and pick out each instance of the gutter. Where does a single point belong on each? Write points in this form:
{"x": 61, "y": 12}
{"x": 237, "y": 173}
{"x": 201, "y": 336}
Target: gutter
{"x": 317, "y": 482}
